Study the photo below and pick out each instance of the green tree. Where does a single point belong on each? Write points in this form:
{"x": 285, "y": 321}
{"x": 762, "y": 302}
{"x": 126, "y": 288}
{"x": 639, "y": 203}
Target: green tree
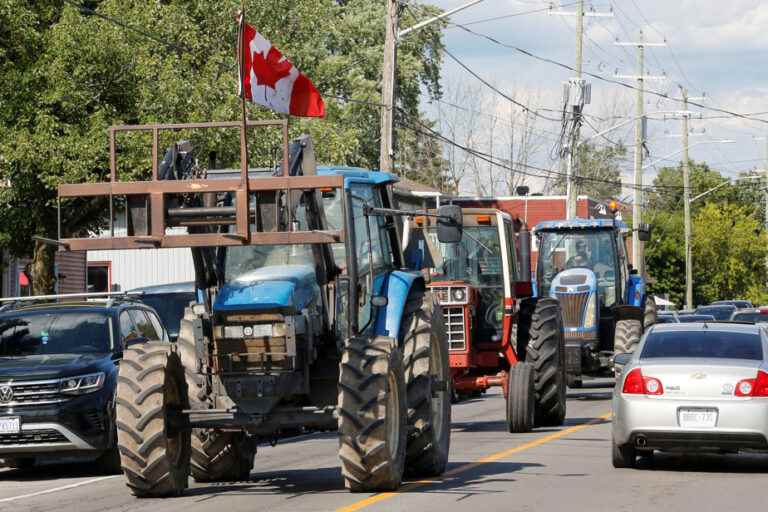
{"x": 67, "y": 74}
{"x": 598, "y": 173}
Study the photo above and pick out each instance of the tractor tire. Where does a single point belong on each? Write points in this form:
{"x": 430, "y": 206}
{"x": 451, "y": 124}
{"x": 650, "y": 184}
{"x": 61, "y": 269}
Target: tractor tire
{"x": 427, "y": 381}
{"x": 649, "y": 315}
{"x": 521, "y": 400}
{"x": 541, "y": 343}
{"x": 372, "y": 415}
{"x": 216, "y": 456}
{"x": 150, "y": 385}
{"x": 627, "y": 336}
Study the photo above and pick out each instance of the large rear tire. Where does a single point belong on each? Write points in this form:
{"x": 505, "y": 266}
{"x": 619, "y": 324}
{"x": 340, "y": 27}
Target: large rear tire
{"x": 427, "y": 380}
{"x": 521, "y": 400}
{"x": 150, "y": 390}
{"x": 372, "y": 415}
{"x": 628, "y": 333}
{"x": 541, "y": 343}
{"x": 216, "y": 456}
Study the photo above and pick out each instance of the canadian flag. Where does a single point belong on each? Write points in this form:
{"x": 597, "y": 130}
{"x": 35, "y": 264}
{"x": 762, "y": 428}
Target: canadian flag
{"x": 269, "y": 79}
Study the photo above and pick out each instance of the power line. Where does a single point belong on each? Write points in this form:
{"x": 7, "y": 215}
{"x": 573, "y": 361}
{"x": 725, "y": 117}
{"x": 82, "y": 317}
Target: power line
{"x": 513, "y": 15}
{"x": 504, "y": 95}
{"x": 609, "y": 80}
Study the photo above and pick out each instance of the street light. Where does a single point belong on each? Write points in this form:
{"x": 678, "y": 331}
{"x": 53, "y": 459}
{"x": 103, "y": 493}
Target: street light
{"x": 677, "y": 152}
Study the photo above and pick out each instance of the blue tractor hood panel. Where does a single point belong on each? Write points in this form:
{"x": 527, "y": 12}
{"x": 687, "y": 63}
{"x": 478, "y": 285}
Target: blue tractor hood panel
{"x": 291, "y": 287}
{"x": 574, "y": 280}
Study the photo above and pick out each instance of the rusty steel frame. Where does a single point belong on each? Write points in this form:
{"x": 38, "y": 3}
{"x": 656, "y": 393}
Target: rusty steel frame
{"x": 157, "y": 189}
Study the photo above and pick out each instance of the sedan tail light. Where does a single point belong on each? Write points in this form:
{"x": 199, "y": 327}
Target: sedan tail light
{"x": 637, "y": 384}
{"x": 753, "y": 387}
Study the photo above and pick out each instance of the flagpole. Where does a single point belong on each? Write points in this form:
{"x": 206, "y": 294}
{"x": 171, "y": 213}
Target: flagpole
{"x": 243, "y": 222}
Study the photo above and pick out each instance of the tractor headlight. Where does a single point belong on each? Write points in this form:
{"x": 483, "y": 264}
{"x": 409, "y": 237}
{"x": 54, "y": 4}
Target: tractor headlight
{"x": 589, "y": 317}
{"x": 458, "y": 294}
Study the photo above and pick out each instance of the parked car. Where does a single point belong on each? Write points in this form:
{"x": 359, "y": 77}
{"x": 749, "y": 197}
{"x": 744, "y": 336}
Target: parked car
{"x": 169, "y": 300}
{"x": 720, "y": 312}
{"x": 753, "y": 315}
{"x": 695, "y": 318}
{"x": 740, "y": 304}
{"x": 668, "y": 317}
{"x": 692, "y": 387}
{"x": 58, "y": 375}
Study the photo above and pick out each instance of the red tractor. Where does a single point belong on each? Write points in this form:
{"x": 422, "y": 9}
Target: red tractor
{"x": 498, "y": 333}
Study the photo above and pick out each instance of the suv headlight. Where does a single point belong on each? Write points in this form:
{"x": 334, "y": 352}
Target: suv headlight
{"x": 458, "y": 294}
{"x": 589, "y": 317}
{"x": 82, "y": 384}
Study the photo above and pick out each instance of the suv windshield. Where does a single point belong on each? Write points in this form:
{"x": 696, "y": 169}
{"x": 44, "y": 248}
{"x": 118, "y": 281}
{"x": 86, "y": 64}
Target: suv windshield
{"x": 59, "y": 332}
{"x": 573, "y": 249}
{"x": 703, "y": 343}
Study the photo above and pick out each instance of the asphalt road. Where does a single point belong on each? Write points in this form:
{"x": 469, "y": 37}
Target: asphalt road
{"x": 556, "y": 469}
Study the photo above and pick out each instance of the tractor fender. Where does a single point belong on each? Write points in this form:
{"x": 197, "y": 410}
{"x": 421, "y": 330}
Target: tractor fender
{"x": 636, "y": 291}
{"x": 628, "y": 312}
{"x": 396, "y": 288}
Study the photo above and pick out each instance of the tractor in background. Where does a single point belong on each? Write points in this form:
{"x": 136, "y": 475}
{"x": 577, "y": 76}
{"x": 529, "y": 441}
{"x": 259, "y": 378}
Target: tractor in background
{"x": 583, "y": 264}
{"x": 499, "y": 334}
{"x": 304, "y": 318}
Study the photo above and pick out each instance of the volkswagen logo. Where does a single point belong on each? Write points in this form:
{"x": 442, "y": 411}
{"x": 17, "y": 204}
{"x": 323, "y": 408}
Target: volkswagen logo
{"x": 6, "y": 394}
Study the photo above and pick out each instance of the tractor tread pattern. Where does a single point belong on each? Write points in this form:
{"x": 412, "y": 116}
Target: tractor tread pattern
{"x": 628, "y": 333}
{"x": 423, "y": 330}
{"x": 541, "y": 342}
{"x": 367, "y": 461}
{"x": 521, "y": 401}
{"x": 141, "y": 432}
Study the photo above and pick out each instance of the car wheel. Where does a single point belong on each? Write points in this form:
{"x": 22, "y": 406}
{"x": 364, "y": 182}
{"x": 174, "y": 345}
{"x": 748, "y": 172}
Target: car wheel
{"x": 623, "y": 456}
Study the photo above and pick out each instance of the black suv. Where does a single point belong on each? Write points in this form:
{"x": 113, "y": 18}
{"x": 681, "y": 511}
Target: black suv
{"x": 58, "y": 374}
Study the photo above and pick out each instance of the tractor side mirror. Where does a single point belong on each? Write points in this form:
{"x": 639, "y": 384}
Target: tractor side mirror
{"x": 644, "y": 233}
{"x": 449, "y": 224}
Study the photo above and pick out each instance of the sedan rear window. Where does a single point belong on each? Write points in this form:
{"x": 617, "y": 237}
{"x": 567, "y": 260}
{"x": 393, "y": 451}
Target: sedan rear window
{"x": 719, "y": 312}
{"x": 703, "y": 343}
{"x": 749, "y": 317}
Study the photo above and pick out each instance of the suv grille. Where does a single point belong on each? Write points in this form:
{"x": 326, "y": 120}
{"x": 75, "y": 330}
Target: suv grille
{"x": 574, "y": 306}
{"x": 454, "y": 323}
{"x": 46, "y": 436}
{"x": 39, "y": 392}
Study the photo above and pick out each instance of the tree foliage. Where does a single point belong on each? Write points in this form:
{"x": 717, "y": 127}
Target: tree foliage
{"x": 729, "y": 244}
{"x": 67, "y": 74}
{"x": 598, "y": 173}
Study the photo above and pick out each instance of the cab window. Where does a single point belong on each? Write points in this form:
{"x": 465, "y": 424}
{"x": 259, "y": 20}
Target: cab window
{"x": 143, "y": 325}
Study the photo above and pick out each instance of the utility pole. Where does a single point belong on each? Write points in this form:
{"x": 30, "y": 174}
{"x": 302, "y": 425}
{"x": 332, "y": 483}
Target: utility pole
{"x": 391, "y": 38}
{"x": 577, "y": 93}
{"x": 388, "y": 87}
{"x": 687, "y": 207}
{"x": 638, "y": 259}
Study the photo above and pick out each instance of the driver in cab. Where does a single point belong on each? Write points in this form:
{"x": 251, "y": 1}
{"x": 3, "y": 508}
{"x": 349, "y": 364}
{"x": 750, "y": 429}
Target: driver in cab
{"x": 581, "y": 258}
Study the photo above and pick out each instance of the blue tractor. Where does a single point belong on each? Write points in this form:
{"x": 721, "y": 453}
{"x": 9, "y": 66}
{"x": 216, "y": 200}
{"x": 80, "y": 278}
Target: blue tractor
{"x": 583, "y": 264}
{"x": 306, "y": 319}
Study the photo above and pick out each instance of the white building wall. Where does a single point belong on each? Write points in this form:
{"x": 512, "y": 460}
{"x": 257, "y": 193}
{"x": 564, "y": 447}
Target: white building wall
{"x": 147, "y": 267}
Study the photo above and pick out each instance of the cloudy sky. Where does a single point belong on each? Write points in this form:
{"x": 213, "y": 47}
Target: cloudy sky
{"x": 714, "y": 48}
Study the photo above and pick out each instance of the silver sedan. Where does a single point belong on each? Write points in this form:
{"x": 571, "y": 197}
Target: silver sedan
{"x": 692, "y": 387}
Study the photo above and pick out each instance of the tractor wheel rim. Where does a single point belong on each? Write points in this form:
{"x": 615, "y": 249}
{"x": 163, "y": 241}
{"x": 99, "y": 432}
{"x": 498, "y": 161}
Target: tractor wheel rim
{"x": 393, "y": 415}
{"x": 436, "y": 371}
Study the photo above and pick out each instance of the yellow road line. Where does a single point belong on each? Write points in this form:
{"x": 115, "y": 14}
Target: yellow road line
{"x": 376, "y": 498}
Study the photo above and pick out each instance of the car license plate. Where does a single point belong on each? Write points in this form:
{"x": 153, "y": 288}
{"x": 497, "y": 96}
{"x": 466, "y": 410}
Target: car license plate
{"x": 10, "y": 425}
{"x": 697, "y": 417}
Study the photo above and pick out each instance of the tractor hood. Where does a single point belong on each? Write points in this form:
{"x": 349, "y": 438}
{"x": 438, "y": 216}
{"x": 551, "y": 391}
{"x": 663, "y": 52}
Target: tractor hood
{"x": 288, "y": 288}
{"x": 574, "y": 280}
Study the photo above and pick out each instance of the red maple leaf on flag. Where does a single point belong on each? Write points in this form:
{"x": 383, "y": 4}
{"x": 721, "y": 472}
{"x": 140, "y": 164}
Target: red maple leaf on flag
{"x": 272, "y": 69}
